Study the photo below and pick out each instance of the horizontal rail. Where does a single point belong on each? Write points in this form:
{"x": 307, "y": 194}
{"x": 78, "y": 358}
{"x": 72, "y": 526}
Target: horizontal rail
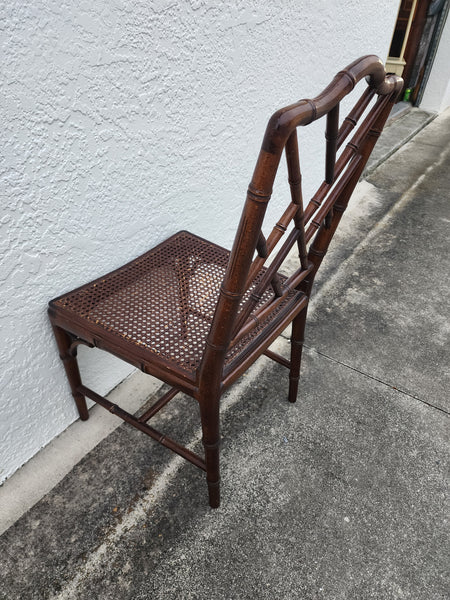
{"x": 285, "y": 120}
{"x": 276, "y": 234}
{"x": 150, "y": 431}
{"x": 258, "y": 317}
{"x": 158, "y": 405}
{"x": 332, "y": 198}
{"x": 351, "y": 120}
{"x": 278, "y": 358}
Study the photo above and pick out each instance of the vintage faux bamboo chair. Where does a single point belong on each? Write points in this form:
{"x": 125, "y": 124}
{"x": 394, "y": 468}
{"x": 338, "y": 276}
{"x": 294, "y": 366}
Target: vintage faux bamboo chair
{"x": 196, "y": 315}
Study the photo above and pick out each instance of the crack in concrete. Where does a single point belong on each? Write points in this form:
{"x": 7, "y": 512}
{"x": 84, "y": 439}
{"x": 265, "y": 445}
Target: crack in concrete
{"x": 402, "y": 201}
{"x": 371, "y": 168}
{"x": 397, "y": 389}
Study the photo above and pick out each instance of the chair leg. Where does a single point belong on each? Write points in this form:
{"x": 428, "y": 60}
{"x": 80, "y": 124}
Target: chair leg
{"x": 297, "y": 338}
{"x": 209, "y": 411}
{"x": 73, "y": 373}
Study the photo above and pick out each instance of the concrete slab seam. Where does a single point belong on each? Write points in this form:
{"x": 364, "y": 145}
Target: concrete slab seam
{"x": 398, "y": 206}
{"x": 397, "y": 147}
{"x": 389, "y": 385}
{"x": 138, "y": 512}
{"x": 35, "y": 479}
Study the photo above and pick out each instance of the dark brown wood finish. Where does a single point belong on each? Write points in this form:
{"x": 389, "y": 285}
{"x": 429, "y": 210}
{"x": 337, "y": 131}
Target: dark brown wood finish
{"x": 197, "y": 316}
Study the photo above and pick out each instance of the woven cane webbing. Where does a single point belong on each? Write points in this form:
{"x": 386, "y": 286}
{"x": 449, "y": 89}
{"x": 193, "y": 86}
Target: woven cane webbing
{"x": 163, "y": 301}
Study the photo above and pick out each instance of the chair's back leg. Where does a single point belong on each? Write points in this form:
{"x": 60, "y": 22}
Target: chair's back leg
{"x": 297, "y": 338}
{"x": 209, "y": 412}
{"x": 70, "y": 362}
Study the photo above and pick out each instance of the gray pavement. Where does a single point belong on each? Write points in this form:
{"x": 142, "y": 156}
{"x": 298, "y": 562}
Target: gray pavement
{"x": 402, "y": 127}
{"x": 341, "y": 496}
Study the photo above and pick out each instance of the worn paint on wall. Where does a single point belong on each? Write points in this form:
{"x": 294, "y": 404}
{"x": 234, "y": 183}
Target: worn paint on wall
{"x": 123, "y": 122}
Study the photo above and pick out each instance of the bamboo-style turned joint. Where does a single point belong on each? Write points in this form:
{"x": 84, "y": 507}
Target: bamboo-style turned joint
{"x": 374, "y": 133}
{"x": 295, "y": 182}
{"x": 293, "y": 164}
{"x": 353, "y": 117}
{"x": 295, "y": 177}
{"x": 66, "y": 357}
{"x": 334, "y": 196}
{"x": 313, "y": 106}
{"x": 256, "y": 320}
{"x": 339, "y": 208}
{"x": 277, "y": 232}
{"x": 315, "y": 252}
{"x": 212, "y": 484}
{"x": 217, "y": 347}
{"x": 350, "y": 77}
{"x": 210, "y": 446}
{"x": 257, "y": 195}
{"x": 231, "y": 295}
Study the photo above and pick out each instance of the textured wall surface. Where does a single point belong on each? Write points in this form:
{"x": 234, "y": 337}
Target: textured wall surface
{"x": 123, "y": 122}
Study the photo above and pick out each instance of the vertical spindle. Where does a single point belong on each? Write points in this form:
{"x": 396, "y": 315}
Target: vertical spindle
{"x": 331, "y": 135}
{"x": 295, "y": 183}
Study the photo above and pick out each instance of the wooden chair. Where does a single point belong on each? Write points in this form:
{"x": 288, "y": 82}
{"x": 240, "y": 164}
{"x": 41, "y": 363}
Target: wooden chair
{"x": 197, "y": 316}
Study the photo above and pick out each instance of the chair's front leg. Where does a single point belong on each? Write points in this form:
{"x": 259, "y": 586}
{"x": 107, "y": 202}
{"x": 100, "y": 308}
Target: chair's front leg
{"x": 209, "y": 411}
{"x": 63, "y": 341}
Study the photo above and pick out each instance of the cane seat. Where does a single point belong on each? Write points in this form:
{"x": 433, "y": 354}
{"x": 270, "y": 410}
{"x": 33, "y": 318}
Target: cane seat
{"x": 161, "y": 305}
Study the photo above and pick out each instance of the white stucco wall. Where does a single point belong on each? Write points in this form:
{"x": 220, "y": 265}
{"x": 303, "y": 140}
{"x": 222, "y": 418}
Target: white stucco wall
{"x": 436, "y": 97}
{"x": 124, "y": 121}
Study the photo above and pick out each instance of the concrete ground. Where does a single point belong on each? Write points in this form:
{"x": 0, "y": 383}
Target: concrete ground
{"x": 403, "y": 126}
{"x": 341, "y": 496}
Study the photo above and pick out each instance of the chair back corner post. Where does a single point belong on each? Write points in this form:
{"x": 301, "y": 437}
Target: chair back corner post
{"x": 244, "y": 246}
{"x": 210, "y": 380}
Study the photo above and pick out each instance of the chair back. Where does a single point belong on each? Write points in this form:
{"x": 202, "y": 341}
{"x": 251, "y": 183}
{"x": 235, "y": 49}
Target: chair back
{"x": 313, "y": 225}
